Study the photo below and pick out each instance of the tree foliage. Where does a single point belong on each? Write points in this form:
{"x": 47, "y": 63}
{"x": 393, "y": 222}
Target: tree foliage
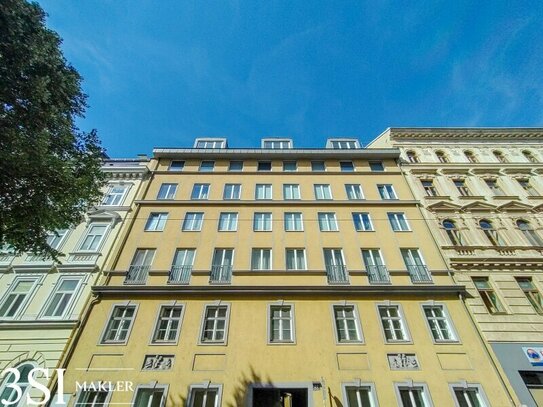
{"x": 49, "y": 169}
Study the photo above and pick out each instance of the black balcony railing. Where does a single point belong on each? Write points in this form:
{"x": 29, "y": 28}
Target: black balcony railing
{"x": 137, "y": 274}
{"x": 179, "y": 275}
{"x": 419, "y": 274}
{"x": 337, "y": 274}
{"x": 220, "y": 275}
{"x": 378, "y": 275}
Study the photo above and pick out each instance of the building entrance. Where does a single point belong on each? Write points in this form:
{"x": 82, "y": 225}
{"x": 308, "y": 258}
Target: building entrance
{"x": 277, "y": 397}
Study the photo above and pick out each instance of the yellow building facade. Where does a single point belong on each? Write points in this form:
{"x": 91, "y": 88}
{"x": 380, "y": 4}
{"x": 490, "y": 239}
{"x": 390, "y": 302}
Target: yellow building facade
{"x": 278, "y": 276}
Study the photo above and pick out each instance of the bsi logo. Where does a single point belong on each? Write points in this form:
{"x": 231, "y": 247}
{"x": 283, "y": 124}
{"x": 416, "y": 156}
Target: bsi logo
{"x": 15, "y": 387}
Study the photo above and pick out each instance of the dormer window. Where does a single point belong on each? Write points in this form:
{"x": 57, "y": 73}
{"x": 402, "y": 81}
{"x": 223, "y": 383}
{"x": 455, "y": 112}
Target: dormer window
{"x": 442, "y": 157}
{"x": 276, "y": 143}
{"x": 342, "y": 143}
{"x": 210, "y": 143}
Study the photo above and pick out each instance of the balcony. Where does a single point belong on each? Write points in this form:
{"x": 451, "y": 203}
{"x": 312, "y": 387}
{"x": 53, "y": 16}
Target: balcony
{"x": 137, "y": 275}
{"x": 419, "y": 274}
{"x": 378, "y": 275}
{"x": 337, "y": 274}
{"x": 179, "y": 275}
{"x": 220, "y": 275}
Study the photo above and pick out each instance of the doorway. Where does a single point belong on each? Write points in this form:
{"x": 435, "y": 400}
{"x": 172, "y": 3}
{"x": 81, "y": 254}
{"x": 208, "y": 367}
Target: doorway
{"x": 280, "y": 397}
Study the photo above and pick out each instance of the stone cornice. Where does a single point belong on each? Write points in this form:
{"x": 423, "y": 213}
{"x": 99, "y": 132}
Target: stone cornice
{"x": 509, "y": 134}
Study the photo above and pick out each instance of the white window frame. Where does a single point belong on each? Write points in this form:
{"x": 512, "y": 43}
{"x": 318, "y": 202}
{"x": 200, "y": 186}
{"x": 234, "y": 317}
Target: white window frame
{"x": 118, "y": 197}
{"x": 267, "y": 190}
{"x": 292, "y": 320}
{"x": 387, "y": 192}
{"x": 410, "y": 385}
{"x": 359, "y": 333}
{"x": 293, "y": 190}
{"x": 82, "y": 279}
{"x": 323, "y": 192}
{"x": 87, "y": 233}
{"x": 359, "y": 385}
{"x": 295, "y": 216}
{"x": 360, "y": 216}
{"x": 467, "y": 386}
{"x": 231, "y": 222}
{"x": 401, "y": 318}
{"x": 283, "y": 143}
{"x": 168, "y": 187}
{"x": 61, "y": 236}
{"x": 105, "y": 330}
{"x": 158, "y": 220}
{"x": 327, "y": 223}
{"x": 98, "y": 385}
{"x": 446, "y": 317}
{"x": 235, "y": 193}
{"x": 198, "y": 222}
{"x": 152, "y": 386}
{"x": 399, "y": 219}
{"x": 223, "y": 341}
{"x": 265, "y": 224}
{"x": 36, "y": 281}
{"x": 212, "y": 140}
{"x": 260, "y": 262}
{"x": 342, "y": 143}
{"x": 296, "y": 252}
{"x": 161, "y": 307}
{"x": 372, "y": 256}
{"x": 205, "y": 387}
{"x": 200, "y": 192}
{"x": 357, "y": 192}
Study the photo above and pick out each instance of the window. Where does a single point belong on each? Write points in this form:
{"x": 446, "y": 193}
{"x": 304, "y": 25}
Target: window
{"x": 527, "y": 186}
{"x": 322, "y": 191}
{"x": 93, "y": 238}
{"x": 327, "y": 222}
{"x": 412, "y": 157}
{"x": 529, "y": 233}
{"x": 204, "y": 396}
{"x": 262, "y": 222}
{"x": 398, "y": 221}
{"x": 210, "y": 143}
{"x": 55, "y": 239}
{"x": 490, "y": 233}
{"x": 439, "y": 323}
{"x": 263, "y": 191}
{"x": 469, "y": 395}
{"x": 429, "y": 188}
{"x": 281, "y": 328}
{"x": 200, "y": 191}
{"x": 413, "y": 396}
{"x": 295, "y": 259}
{"x": 276, "y": 144}
{"x": 291, "y": 191}
{"x": 223, "y": 258}
{"x": 8, "y": 393}
{"x": 207, "y": 166}
{"x": 289, "y": 165}
{"x": 489, "y": 297}
{"x": 354, "y": 192}
{"x": 176, "y": 165}
{"x": 346, "y": 323}
{"x": 214, "y": 328}
{"x": 386, "y": 191}
{"x": 359, "y": 395}
{"x": 529, "y": 156}
{"x": 460, "y": 185}
{"x": 235, "y": 166}
{"x": 167, "y": 191}
{"x": 452, "y": 232}
{"x": 346, "y": 166}
{"x": 228, "y": 221}
{"x": 94, "y": 398}
{"x": 168, "y": 324}
{"x": 393, "y": 323}
{"x": 261, "y": 259}
{"x": 415, "y": 265}
{"x": 318, "y": 166}
{"x": 499, "y": 156}
{"x": 181, "y": 266}
{"x": 264, "y": 166}
{"x": 531, "y": 292}
{"x": 442, "y": 158}
{"x": 115, "y": 195}
{"x": 193, "y": 221}
{"x": 376, "y": 166}
{"x": 119, "y": 324}
{"x": 150, "y": 396}
{"x": 492, "y": 184}
{"x": 17, "y": 296}
{"x": 140, "y": 266}
{"x": 362, "y": 222}
{"x": 343, "y": 144}
{"x": 221, "y": 266}
{"x": 293, "y": 222}
{"x": 61, "y": 300}
{"x": 232, "y": 191}
{"x": 375, "y": 267}
{"x": 156, "y": 221}
{"x": 470, "y": 156}
{"x": 336, "y": 271}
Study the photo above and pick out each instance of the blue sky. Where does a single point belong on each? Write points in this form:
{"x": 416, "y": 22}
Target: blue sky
{"x": 160, "y": 73}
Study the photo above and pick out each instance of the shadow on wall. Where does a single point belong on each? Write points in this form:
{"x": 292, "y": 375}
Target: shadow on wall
{"x": 334, "y": 401}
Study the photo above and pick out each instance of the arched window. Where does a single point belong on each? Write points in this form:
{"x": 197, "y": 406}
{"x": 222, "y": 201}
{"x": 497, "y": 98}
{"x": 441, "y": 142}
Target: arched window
{"x": 490, "y": 233}
{"x": 412, "y": 157}
{"x": 529, "y": 156}
{"x": 452, "y": 232}
{"x": 9, "y": 393}
{"x": 442, "y": 157}
{"x": 470, "y": 156}
{"x": 499, "y": 156}
{"x": 529, "y": 233}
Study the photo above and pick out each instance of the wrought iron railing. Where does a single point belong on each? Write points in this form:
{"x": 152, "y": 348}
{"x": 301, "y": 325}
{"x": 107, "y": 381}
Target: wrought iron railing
{"x": 419, "y": 274}
{"x": 378, "y": 275}
{"x": 179, "y": 275}
{"x": 220, "y": 274}
{"x": 137, "y": 274}
{"x": 337, "y": 274}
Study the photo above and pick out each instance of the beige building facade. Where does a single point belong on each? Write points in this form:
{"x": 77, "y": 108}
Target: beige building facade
{"x": 278, "y": 276}
{"x": 41, "y": 301}
{"x": 482, "y": 192}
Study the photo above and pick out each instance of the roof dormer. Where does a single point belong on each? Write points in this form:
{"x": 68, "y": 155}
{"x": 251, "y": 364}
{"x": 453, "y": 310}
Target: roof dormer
{"x": 343, "y": 143}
